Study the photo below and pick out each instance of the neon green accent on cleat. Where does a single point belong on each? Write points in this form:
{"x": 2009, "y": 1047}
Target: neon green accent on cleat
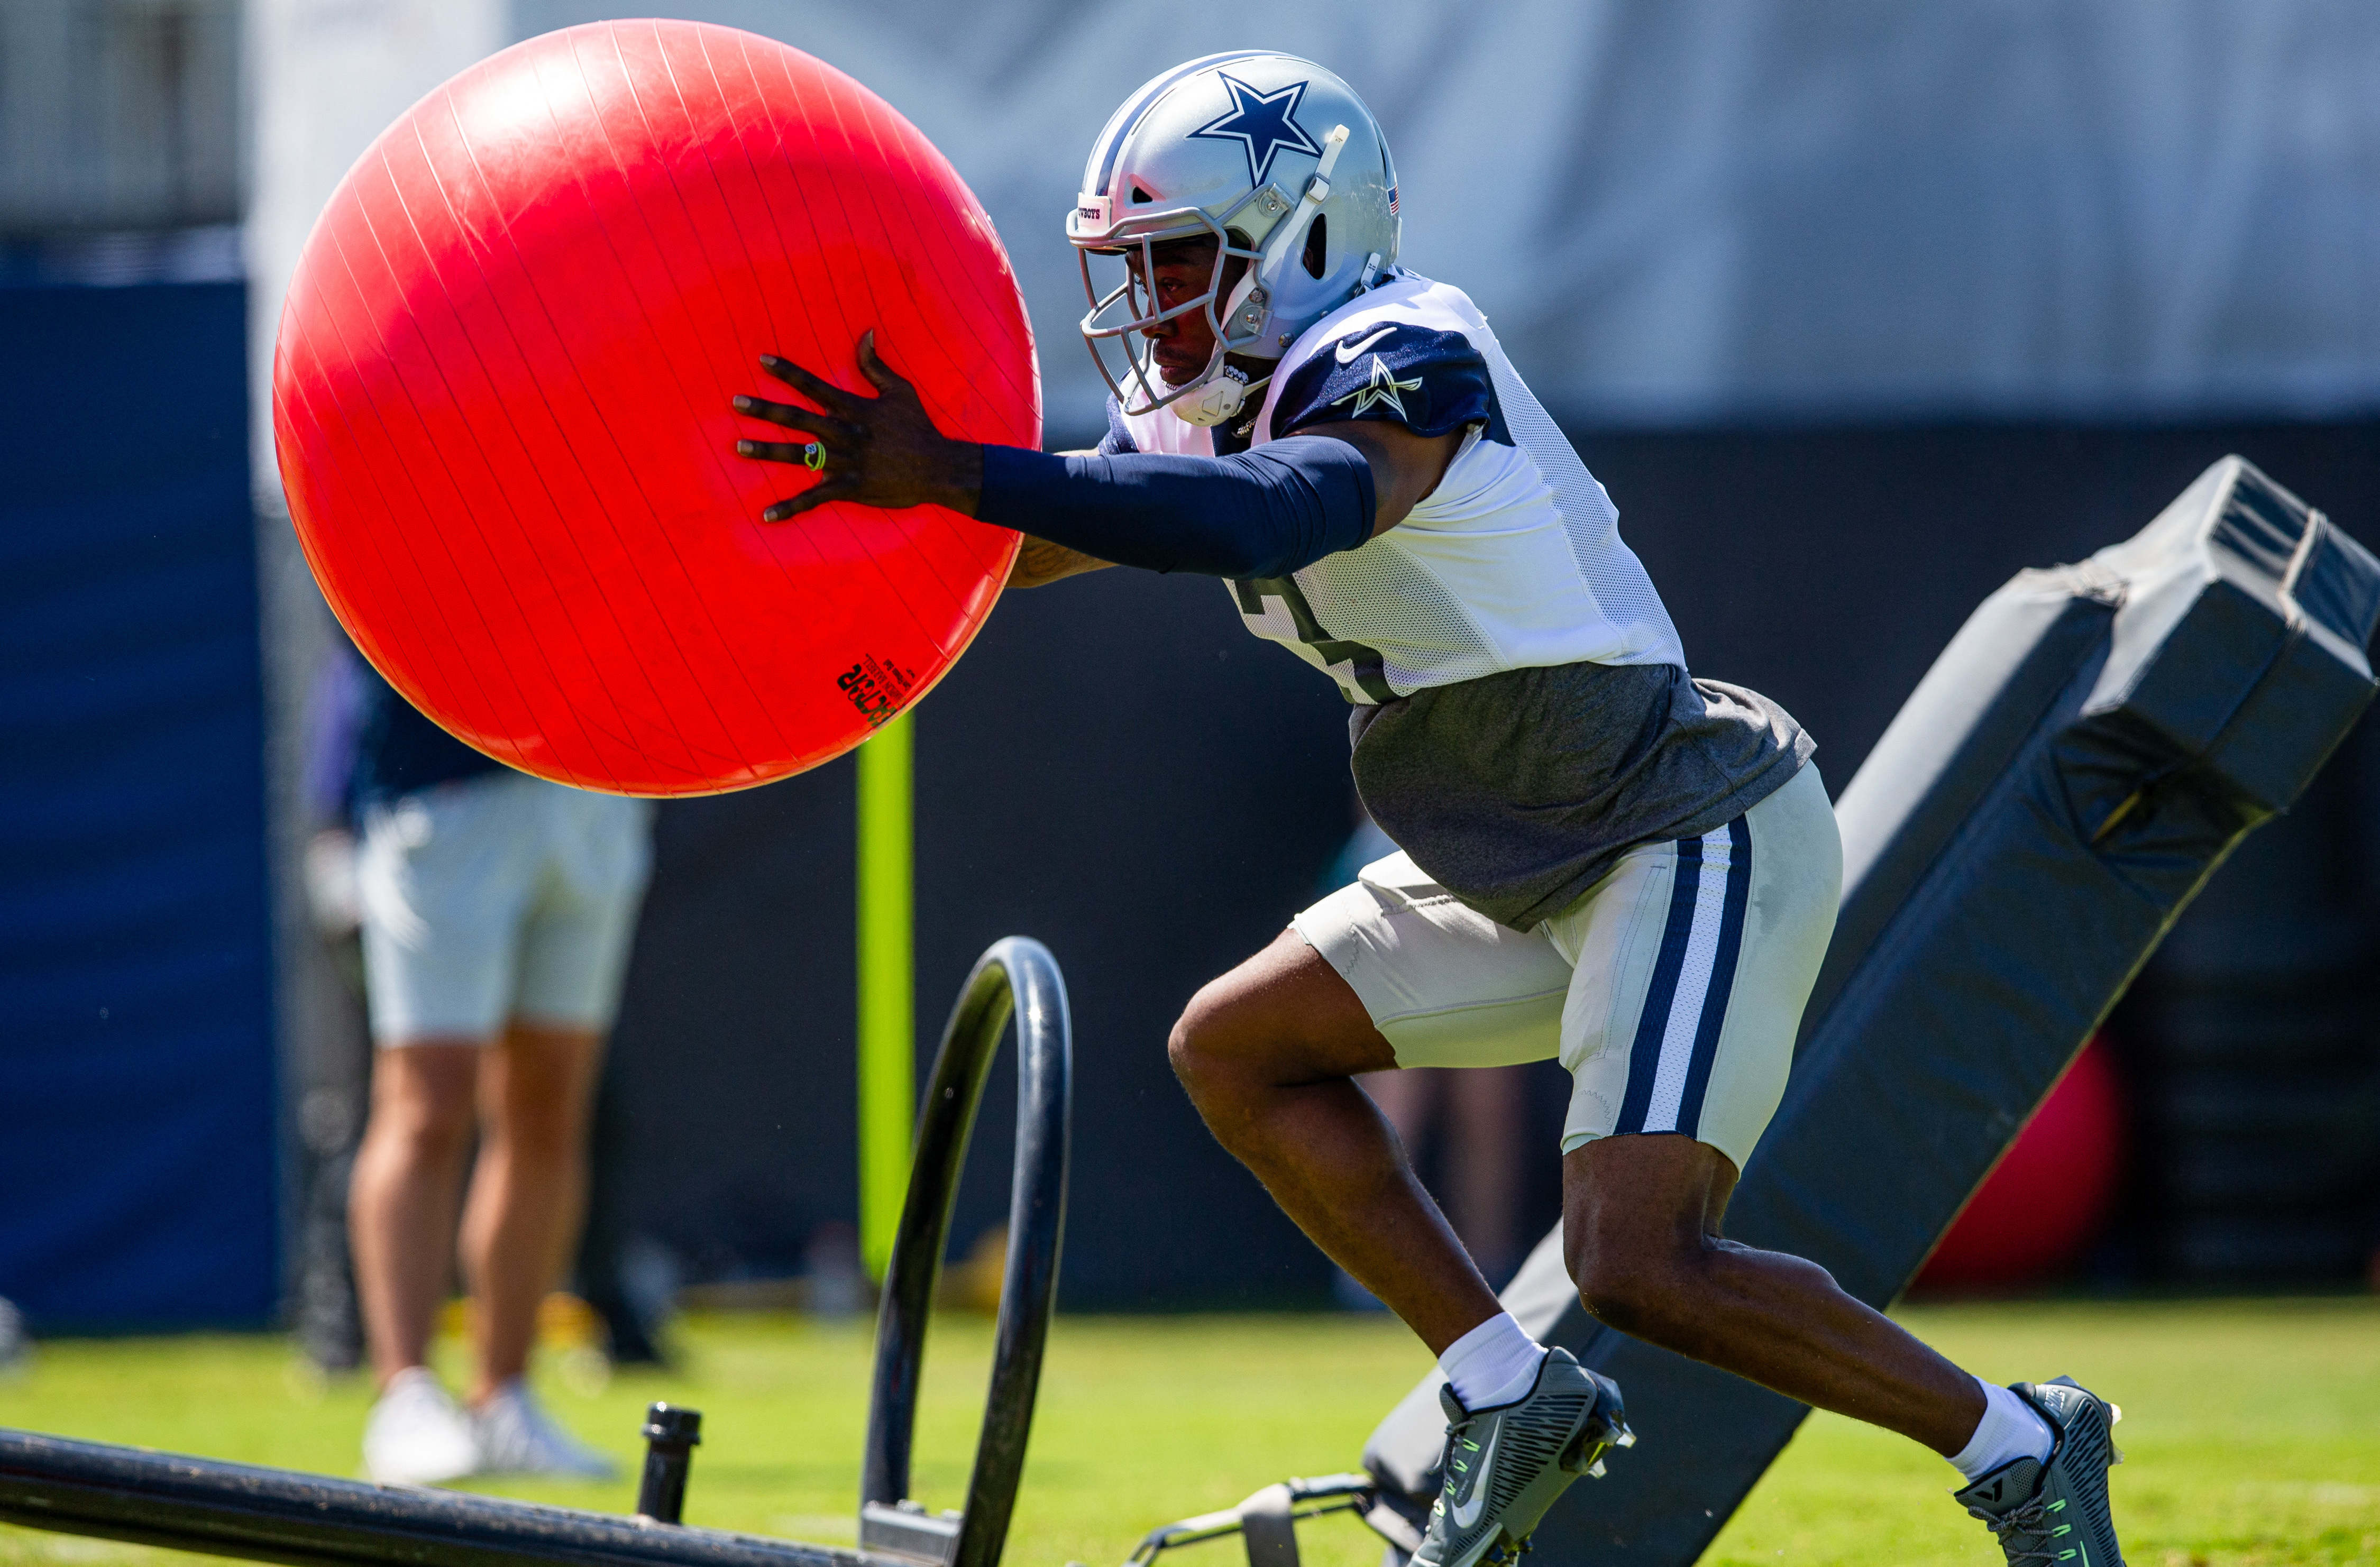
{"x": 2025, "y": 1504}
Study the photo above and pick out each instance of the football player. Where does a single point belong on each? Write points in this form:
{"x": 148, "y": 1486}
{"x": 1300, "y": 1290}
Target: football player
{"x": 1602, "y": 858}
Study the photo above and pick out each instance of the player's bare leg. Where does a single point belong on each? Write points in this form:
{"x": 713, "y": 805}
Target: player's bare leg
{"x": 1267, "y": 1053}
{"x": 1641, "y": 1233}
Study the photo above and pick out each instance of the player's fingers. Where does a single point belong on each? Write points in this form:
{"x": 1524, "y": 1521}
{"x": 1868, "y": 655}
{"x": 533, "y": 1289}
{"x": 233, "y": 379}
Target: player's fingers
{"x": 819, "y": 390}
{"x": 793, "y": 416}
{"x": 834, "y": 489}
{"x": 808, "y": 453}
{"x": 885, "y": 378}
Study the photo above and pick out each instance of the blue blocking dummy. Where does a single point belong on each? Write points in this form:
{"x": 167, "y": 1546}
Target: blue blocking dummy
{"x": 2075, "y": 765}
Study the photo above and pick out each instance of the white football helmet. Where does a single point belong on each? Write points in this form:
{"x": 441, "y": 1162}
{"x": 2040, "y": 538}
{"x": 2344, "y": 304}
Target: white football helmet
{"x": 1282, "y": 165}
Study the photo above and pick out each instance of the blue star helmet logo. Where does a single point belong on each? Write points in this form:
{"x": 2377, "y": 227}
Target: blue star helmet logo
{"x": 1262, "y": 122}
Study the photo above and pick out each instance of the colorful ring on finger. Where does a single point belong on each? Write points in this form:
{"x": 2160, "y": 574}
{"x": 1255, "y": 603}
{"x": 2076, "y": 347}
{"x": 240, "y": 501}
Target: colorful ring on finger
{"x": 814, "y": 457}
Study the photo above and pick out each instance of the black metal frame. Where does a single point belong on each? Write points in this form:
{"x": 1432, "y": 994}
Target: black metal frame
{"x": 1016, "y": 976}
{"x": 1268, "y": 1521}
{"x": 304, "y": 1520}
{"x": 163, "y": 1499}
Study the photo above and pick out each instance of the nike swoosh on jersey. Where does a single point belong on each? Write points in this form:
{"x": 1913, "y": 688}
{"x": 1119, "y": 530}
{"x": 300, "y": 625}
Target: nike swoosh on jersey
{"x": 1467, "y": 1514}
{"x": 1347, "y": 355}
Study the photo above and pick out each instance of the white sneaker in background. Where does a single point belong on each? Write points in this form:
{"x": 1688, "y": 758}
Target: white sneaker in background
{"x": 417, "y": 1435}
{"x": 517, "y": 1437}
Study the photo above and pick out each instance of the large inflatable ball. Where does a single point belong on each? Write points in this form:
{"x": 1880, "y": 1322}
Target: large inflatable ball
{"x": 501, "y": 397}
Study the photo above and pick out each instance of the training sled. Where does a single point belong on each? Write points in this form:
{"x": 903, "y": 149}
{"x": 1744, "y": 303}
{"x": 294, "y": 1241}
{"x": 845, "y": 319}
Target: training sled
{"x": 2075, "y": 765}
{"x": 314, "y": 1521}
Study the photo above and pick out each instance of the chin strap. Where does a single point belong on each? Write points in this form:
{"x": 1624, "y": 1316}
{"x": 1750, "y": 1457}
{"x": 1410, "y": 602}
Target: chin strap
{"x": 1220, "y": 399}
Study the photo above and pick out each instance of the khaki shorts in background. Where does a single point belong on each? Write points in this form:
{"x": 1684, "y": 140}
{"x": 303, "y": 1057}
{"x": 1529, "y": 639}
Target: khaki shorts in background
{"x": 499, "y": 897}
{"x": 1673, "y": 990}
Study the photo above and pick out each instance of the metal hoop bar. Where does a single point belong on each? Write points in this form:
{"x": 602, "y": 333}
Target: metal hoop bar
{"x": 1017, "y": 976}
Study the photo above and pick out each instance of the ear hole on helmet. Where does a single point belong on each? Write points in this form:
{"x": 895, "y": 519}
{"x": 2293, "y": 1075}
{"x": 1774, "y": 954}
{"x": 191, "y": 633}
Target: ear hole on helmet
{"x": 1317, "y": 245}
{"x": 1141, "y": 196}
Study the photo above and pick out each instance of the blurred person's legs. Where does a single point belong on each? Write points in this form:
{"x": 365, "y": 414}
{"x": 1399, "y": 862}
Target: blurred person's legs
{"x": 1407, "y": 1099}
{"x": 401, "y": 1207}
{"x": 406, "y": 1192}
{"x": 1672, "y": 991}
{"x": 498, "y": 916}
{"x": 1483, "y": 1163}
{"x": 1477, "y": 1114}
{"x": 528, "y": 1187}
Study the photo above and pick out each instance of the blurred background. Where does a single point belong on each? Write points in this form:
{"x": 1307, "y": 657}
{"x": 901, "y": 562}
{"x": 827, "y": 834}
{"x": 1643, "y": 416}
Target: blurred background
{"x": 1856, "y": 309}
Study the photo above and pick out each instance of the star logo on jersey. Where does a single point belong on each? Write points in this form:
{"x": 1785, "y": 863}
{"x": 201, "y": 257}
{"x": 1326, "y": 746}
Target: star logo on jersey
{"x": 1383, "y": 387}
{"x": 1263, "y": 123}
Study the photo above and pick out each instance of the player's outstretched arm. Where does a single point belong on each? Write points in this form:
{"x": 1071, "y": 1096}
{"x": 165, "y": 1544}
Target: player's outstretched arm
{"x": 1261, "y": 513}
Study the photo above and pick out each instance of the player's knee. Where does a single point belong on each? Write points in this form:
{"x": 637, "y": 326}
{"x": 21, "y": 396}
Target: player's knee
{"x": 1645, "y": 1307}
{"x": 1649, "y": 1292}
{"x": 1208, "y": 1049}
{"x": 1197, "y": 1050}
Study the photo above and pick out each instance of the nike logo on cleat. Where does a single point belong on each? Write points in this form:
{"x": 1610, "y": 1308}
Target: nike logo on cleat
{"x": 1467, "y": 1514}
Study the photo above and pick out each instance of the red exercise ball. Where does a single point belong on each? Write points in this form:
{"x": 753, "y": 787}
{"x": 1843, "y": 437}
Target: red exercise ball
{"x": 501, "y": 391}
{"x": 2050, "y": 1194}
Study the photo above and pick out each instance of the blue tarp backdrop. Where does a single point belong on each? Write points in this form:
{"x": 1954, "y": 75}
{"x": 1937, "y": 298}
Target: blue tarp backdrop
{"x": 136, "y": 1162}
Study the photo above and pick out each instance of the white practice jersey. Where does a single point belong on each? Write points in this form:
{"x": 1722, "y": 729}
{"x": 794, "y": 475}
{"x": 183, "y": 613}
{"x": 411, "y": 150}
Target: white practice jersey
{"x": 1514, "y": 561}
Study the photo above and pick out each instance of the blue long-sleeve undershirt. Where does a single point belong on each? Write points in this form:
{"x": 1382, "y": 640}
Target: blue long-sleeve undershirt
{"x": 1263, "y": 513}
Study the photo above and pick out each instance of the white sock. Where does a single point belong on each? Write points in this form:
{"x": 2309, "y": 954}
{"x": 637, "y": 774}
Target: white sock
{"x": 1493, "y": 1364}
{"x": 2010, "y": 1429}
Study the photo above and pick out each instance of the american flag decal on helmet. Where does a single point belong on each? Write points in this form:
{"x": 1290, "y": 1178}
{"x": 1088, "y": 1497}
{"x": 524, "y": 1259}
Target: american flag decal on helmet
{"x": 1392, "y": 200}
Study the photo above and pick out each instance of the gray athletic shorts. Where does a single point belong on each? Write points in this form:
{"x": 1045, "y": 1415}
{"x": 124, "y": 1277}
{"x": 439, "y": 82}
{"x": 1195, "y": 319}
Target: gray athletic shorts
{"x": 1673, "y": 990}
{"x": 495, "y": 897}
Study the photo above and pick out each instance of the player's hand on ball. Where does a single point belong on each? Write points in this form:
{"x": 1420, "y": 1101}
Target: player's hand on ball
{"x": 879, "y": 451}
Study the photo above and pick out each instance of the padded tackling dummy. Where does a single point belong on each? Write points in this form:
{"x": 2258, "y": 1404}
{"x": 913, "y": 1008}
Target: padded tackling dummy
{"x": 2078, "y": 761}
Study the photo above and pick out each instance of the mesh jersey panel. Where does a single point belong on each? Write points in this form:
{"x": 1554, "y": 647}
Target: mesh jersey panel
{"x": 1612, "y": 573}
{"x": 1436, "y": 642}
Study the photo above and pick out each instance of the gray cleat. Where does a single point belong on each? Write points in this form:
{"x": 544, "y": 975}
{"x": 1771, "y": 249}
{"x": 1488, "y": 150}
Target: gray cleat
{"x": 1504, "y": 1466}
{"x": 2056, "y": 1513}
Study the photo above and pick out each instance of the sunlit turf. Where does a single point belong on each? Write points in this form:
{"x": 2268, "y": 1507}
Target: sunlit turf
{"x": 2253, "y": 1429}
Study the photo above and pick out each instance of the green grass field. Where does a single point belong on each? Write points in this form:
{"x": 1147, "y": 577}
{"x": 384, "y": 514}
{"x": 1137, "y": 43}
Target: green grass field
{"x": 2253, "y": 1429}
